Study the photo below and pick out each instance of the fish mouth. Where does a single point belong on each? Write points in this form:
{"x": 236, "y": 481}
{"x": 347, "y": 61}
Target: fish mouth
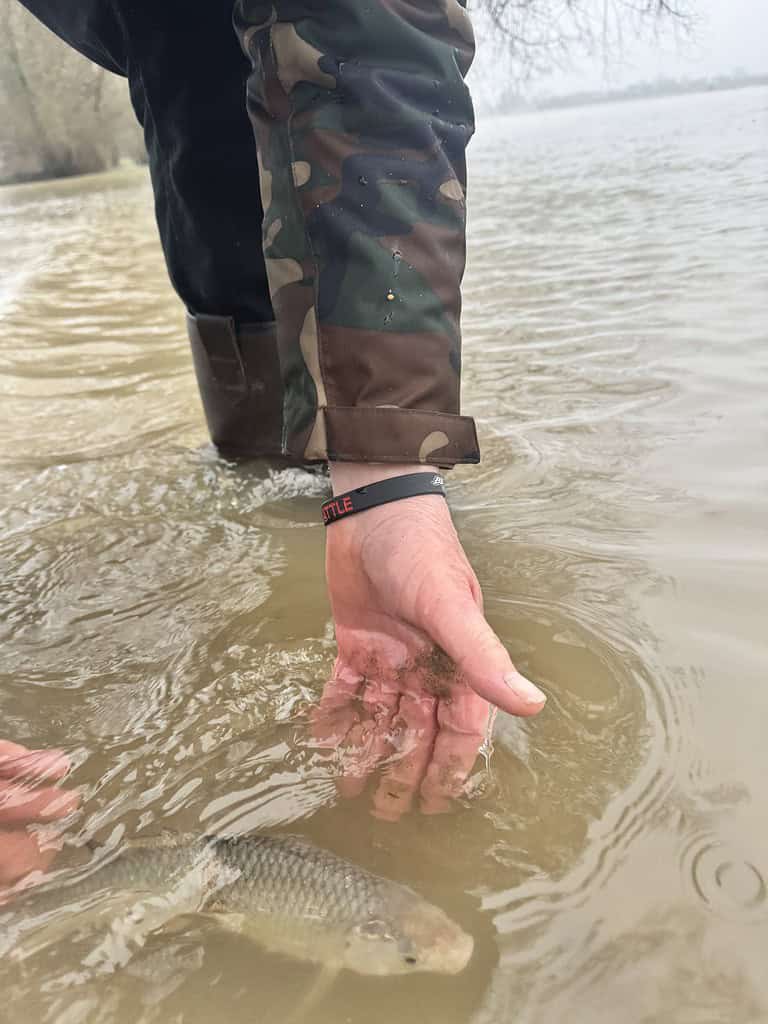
{"x": 451, "y": 955}
{"x": 442, "y": 944}
{"x": 457, "y": 956}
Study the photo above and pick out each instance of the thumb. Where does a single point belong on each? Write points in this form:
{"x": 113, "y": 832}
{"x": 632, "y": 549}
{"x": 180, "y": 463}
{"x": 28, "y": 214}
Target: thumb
{"x": 459, "y": 627}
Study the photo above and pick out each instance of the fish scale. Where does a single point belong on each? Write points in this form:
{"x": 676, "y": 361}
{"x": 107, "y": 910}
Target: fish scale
{"x": 312, "y": 881}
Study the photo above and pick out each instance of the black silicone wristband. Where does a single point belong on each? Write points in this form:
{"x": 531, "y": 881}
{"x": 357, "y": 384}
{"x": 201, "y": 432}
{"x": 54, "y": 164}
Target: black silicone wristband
{"x": 380, "y": 493}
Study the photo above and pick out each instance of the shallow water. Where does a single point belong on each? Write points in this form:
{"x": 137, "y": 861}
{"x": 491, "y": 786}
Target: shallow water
{"x": 164, "y": 616}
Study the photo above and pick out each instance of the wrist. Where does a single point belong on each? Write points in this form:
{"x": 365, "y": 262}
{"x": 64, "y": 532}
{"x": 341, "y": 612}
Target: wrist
{"x": 345, "y": 476}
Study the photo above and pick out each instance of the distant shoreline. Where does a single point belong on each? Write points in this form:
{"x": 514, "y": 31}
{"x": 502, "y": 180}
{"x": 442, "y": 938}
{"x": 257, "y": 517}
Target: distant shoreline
{"x": 640, "y": 91}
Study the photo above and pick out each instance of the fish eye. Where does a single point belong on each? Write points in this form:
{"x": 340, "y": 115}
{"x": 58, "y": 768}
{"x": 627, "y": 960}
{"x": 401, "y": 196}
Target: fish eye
{"x": 406, "y": 949}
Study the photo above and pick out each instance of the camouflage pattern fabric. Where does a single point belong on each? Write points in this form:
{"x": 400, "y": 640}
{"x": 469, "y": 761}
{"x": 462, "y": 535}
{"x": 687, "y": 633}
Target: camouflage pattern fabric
{"x": 362, "y": 117}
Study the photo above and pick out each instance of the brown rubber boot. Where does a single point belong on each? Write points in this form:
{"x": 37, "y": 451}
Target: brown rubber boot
{"x": 238, "y": 374}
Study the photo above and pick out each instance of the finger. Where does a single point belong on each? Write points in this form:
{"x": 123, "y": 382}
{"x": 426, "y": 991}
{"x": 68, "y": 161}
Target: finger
{"x": 19, "y": 805}
{"x": 20, "y": 854}
{"x": 338, "y": 710}
{"x": 18, "y": 762}
{"x": 8, "y": 749}
{"x": 417, "y": 726}
{"x": 361, "y": 754}
{"x": 462, "y": 723}
{"x": 458, "y": 626}
{"x": 463, "y": 711}
{"x": 371, "y": 738}
{"x": 336, "y": 726}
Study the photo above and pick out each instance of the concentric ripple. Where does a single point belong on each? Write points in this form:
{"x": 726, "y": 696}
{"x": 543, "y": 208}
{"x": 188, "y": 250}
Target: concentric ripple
{"x": 724, "y": 879}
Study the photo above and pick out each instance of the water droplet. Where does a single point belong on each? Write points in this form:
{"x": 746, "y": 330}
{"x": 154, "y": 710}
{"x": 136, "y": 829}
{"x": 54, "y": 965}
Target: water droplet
{"x": 390, "y": 296}
{"x": 486, "y": 747}
{"x": 397, "y": 256}
{"x": 363, "y": 180}
{"x": 388, "y": 318}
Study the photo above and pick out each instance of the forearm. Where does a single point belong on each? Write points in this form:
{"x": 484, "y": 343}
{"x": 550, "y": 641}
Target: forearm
{"x": 345, "y": 476}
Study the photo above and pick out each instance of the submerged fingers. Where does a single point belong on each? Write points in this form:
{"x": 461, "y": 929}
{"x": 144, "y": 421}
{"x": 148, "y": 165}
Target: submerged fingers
{"x": 20, "y": 804}
{"x": 354, "y": 719}
{"x": 336, "y": 713}
{"x": 423, "y": 727}
{"x": 413, "y": 735}
{"x": 19, "y": 762}
{"x": 370, "y": 742}
{"x": 462, "y": 720}
{"x": 366, "y": 745}
{"x": 453, "y": 758}
{"x": 22, "y": 798}
{"x": 21, "y": 853}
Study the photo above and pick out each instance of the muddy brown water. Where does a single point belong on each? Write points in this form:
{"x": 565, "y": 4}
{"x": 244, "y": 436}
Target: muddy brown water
{"x": 164, "y": 616}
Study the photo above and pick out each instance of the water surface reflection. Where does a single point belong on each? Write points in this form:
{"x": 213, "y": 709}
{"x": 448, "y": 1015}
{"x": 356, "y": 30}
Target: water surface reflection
{"x": 165, "y": 618}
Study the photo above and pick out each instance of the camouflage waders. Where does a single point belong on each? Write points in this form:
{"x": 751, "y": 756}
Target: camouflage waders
{"x": 321, "y": 268}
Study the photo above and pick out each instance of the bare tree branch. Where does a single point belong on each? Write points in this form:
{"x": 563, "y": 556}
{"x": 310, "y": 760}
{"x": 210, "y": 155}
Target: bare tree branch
{"x": 542, "y": 35}
{"x": 61, "y": 114}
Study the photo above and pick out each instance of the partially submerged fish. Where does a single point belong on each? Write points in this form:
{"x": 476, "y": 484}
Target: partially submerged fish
{"x": 283, "y": 892}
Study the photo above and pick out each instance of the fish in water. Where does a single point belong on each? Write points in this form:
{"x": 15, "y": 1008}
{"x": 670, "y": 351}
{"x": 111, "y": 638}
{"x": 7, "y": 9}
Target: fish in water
{"x": 283, "y": 892}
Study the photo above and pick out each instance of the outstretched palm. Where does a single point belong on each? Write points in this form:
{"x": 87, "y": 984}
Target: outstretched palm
{"x": 418, "y": 666}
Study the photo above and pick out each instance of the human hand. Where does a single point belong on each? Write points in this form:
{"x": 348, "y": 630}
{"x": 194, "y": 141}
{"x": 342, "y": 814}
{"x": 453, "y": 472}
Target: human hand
{"x": 418, "y": 666}
{"x": 23, "y": 800}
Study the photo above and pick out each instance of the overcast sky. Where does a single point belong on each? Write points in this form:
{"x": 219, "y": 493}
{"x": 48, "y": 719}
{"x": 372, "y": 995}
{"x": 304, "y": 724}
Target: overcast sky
{"x": 732, "y": 34}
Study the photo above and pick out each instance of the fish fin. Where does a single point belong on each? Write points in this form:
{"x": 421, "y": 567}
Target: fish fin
{"x": 131, "y": 931}
{"x": 163, "y": 840}
{"x": 228, "y": 921}
{"x": 319, "y": 988}
{"x": 148, "y": 914}
{"x": 36, "y": 936}
{"x": 180, "y": 923}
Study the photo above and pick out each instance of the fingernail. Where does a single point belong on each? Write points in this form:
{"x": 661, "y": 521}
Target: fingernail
{"x": 524, "y": 688}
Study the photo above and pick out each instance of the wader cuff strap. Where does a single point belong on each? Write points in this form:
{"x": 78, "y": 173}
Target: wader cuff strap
{"x": 388, "y": 434}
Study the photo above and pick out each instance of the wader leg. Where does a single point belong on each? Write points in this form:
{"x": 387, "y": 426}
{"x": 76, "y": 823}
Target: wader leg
{"x": 240, "y": 385}
{"x": 187, "y": 75}
{"x": 362, "y": 117}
